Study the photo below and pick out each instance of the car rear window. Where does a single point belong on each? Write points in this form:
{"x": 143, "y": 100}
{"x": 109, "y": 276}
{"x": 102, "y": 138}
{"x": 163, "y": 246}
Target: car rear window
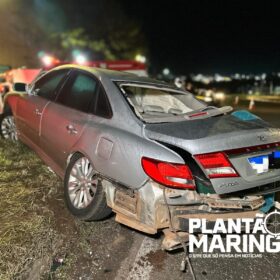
{"x": 151, "y": 102}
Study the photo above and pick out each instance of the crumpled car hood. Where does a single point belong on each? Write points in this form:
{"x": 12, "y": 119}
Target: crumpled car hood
{"x": 213, "y": 134}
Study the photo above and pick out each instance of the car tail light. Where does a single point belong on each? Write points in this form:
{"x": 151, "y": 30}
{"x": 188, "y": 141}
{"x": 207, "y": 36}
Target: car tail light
{"x": 169, "y": 174}
{"x": 217, "y": 165}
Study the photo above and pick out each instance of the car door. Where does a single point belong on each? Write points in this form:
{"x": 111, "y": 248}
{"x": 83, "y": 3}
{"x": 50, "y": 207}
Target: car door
{"x": 64, "y": 120}
{"x": 31, "y": 106}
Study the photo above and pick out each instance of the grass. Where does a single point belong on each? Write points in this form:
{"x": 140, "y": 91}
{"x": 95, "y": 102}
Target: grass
{"x": 25, "y": 234}
{"x": 36, "y": 229}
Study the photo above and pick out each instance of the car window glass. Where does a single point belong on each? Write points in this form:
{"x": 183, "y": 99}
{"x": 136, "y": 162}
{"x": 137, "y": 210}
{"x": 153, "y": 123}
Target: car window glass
{"x": 79, "y": 92}
{"x": 47, "y": 85}
{"x": 103, "y": 108}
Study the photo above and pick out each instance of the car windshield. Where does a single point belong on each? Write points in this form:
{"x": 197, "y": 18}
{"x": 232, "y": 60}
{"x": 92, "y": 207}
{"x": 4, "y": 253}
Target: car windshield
{"x": 151, "y": 102}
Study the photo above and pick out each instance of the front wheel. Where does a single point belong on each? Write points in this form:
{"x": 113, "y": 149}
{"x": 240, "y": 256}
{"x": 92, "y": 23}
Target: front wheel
{"x": 8, "y": 127}
{"x": 83, "y": 191}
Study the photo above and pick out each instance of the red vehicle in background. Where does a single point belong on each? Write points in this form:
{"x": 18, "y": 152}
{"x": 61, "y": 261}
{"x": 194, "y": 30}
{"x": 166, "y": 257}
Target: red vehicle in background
{"x": 26, "y": 75}
{"x": 130, "y": 66}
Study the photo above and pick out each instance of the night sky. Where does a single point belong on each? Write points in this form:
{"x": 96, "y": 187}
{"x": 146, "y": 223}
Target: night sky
{"x": 210, "y": 36}
{"x": 187, "y": 36}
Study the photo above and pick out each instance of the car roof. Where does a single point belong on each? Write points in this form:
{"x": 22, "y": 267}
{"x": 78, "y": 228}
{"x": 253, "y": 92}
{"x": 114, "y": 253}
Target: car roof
{"x": 114, "y": 75}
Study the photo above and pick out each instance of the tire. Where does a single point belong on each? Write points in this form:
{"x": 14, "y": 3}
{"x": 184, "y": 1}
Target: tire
{"x": 8, "y": 129}
{"x": 83, "y": 191}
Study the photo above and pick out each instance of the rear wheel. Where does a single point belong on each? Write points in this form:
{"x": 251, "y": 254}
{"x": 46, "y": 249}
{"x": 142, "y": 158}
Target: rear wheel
{"x": 84, "y": 194}
{"x": 8, "y": 127}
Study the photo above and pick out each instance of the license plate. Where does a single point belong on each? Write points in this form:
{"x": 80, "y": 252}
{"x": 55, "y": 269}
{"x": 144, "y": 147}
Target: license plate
{"x": 276, "y": 155}
{"x": 260, "y": 163}
{"x": 274, "y": 160}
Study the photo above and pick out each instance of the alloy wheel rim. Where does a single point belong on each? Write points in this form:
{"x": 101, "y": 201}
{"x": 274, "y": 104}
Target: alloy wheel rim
{"x": 82, "y": 183}
{"x": 8, "y": 128}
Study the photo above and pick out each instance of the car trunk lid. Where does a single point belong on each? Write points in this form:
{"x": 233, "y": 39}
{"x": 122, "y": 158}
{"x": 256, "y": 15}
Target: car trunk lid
{"x": 249, "y": 145}
{"x": 213, "y": 134}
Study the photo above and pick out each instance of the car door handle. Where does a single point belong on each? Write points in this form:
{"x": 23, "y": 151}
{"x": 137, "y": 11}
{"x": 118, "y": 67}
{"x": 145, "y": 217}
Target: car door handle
{"x": 71, "y": 129}
{"x": 37, "y": 112}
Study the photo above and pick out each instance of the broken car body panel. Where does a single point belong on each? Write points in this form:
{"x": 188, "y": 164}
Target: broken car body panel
{"x": 171, "y": 136}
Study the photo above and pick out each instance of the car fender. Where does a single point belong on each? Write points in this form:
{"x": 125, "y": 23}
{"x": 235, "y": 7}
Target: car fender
{"x": 117, "y": 154}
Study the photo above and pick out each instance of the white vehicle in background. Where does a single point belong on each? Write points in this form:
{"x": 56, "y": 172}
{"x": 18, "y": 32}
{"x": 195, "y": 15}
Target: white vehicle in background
{"x": 10, "y": 77}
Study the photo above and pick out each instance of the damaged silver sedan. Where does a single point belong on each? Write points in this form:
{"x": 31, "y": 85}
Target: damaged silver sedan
{"x": 153, "y": 154}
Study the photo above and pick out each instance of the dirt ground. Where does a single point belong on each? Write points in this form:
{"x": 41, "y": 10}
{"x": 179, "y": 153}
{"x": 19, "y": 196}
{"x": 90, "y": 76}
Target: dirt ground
{"x": 39, "y": 239}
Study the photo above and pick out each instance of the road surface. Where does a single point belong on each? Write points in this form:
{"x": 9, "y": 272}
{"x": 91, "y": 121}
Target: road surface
{"x": 144, "y": 258}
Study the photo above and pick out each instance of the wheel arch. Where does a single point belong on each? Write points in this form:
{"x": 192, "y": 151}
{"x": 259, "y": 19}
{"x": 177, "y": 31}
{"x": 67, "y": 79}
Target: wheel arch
{"x": 71, "y": 155}
{"x": 10, "y": 102}
{"x": 76, "y": 152}
{"x": 7, "y": 108}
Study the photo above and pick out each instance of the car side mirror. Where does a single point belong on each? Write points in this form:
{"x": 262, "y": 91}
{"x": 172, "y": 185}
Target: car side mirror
{"x": 21, "y": 87}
